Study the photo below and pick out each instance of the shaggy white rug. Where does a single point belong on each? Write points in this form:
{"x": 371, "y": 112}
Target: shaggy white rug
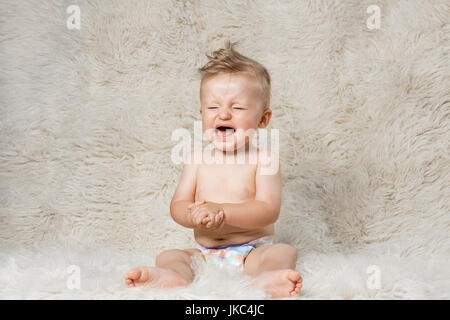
{"x": 85, "y": 142}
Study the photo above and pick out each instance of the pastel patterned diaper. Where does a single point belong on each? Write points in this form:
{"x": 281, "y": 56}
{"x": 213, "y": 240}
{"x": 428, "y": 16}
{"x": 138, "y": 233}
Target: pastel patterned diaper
{"x": 235, "y": 254}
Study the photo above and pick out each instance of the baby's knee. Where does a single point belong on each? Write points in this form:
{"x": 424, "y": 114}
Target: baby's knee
{"x": 284, "y": 249}
{"x": 170, "y": 255}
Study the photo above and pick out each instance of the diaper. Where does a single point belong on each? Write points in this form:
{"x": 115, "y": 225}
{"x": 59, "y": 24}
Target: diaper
{"x": 234, "y": 254}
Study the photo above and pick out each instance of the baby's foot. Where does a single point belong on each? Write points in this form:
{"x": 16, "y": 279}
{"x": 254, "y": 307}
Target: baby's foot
{"x": 280, "y": 283}
{"x": 154, "y": 277}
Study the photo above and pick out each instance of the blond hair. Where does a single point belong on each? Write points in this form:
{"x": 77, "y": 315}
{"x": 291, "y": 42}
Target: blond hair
{"x": 228, "y": 60}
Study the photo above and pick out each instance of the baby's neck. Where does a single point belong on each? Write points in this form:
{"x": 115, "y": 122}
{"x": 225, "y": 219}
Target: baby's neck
{"x": 238, "y": 155}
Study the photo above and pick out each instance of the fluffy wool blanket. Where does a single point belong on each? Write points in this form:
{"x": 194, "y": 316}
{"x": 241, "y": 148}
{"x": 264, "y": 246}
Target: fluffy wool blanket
{"x": 360, "y": 96}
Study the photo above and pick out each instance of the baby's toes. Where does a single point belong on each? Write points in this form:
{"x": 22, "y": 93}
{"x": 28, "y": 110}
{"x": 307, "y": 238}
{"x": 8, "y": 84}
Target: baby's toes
{"x": 129, "y": 282}
{"x": 132, "y": 275}
{"x": 297, "y": 288}
{"x": 294, "y": 276}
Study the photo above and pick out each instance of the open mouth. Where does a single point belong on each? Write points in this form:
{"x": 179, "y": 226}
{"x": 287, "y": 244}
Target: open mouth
{"x": 224, "y": 132}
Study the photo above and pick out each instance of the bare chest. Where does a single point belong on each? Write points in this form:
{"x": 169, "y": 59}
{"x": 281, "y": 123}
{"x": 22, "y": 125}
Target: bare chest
{"x": 226, "y": 183}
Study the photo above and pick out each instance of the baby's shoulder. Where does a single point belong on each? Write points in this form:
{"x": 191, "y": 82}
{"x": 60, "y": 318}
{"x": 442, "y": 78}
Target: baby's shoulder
{"x": 268, "y": 162}
{"x": 194, "y": 158}
{"x": 265, "y": 156}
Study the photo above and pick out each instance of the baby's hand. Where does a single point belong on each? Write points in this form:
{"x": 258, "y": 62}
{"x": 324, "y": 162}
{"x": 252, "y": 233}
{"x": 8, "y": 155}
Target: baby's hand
{"x": 213, "y": 220}
{"x": 197, "y": 219}
{"x": 206, "y": 214}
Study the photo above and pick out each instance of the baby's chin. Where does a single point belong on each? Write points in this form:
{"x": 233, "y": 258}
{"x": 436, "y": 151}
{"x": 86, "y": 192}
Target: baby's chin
{"x": 225, "y": 146}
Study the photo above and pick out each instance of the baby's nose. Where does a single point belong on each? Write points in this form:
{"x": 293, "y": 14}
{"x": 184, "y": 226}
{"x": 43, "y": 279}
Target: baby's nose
{"x": 225, "y": 114}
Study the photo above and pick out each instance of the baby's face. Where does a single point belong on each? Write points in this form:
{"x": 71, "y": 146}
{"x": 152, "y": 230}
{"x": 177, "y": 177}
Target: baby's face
{"x": 234, "y": 101}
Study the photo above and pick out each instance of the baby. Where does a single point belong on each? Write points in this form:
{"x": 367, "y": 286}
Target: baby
{"x": 232, "y": 207}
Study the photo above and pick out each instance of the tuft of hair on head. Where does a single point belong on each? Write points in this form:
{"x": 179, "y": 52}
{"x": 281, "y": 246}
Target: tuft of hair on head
{"x": 228, "y": 60}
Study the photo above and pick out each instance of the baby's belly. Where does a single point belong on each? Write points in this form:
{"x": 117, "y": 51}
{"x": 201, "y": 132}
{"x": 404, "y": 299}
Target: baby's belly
{"x": 232, "y": 236}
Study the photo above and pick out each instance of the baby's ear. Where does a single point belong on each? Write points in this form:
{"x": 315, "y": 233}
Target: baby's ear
{"x": 265, "y": 118}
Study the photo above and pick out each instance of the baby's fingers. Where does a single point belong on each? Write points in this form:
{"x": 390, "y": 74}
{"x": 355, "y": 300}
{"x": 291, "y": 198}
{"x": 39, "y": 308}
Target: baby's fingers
{"x": 205, "y": 220}
{"x": 199, "y": 218}
{"x": 219, "y": 218}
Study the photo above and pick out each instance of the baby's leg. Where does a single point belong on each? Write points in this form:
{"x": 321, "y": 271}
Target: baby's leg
{"x": 274, "y": 269}
{"x": 172, "y": 269}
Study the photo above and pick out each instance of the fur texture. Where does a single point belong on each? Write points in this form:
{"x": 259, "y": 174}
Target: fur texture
{"x": 85, "y": 142}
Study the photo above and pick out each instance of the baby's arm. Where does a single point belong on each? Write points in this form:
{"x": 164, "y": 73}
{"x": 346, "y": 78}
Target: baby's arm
{"x": 264, "y": 209}
{"x": 184, "y": 196}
